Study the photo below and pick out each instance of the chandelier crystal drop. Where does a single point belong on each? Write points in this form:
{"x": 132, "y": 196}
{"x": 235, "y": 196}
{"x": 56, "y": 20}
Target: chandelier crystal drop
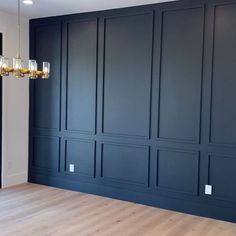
{"x": 17, "y": 68}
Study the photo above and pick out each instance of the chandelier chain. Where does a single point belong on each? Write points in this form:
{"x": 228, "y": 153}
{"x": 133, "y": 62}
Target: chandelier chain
{"x": 19, "y": 35}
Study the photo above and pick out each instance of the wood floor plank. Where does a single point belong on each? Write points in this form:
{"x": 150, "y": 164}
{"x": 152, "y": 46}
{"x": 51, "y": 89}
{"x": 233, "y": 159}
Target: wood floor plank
{"x": 36, "y": 210}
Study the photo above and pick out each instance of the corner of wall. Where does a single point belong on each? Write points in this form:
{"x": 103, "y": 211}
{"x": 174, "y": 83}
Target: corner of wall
{"x": 15, "y": 107}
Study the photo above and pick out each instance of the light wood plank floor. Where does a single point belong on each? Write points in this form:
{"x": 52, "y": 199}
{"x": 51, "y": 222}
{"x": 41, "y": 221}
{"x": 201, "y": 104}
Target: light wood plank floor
{"x": 35, "y": 210}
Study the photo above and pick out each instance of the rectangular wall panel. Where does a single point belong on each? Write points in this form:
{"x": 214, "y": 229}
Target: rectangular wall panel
{"x": 181, "y": 74}
{"x": 81, "y": 154}
{"x": 46, "y": 153}
{"x": 127, "y": 75}
{"x": 47, "y": 92}
{"x": 222, "y": 176}
{"x": 81, "y": 75}
{"x": 223, "y": 110}
{"x": 125, "y": 163}
{"x": 177, "y": 170}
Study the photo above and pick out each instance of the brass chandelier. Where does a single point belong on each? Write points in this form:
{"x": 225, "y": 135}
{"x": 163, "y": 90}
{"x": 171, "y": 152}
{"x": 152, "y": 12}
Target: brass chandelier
{"x": 17, "y": 68}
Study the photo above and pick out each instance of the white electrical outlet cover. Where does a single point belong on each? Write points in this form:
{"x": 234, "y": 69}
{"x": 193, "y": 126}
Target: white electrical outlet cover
{"x": 208, "y": 189}
{"x": 72, "y": 168}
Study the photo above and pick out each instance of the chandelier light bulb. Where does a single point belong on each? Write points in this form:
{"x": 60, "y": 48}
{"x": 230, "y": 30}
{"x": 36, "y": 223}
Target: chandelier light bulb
{"x": 1, "y": 61}
{"x": 3, "y": 66}
{"x": 5, "y": 63}
{"x": 17, "y": 66}
{"x": 46, "y": 70}
{"x": 17, "y": 63}
{"x": 33, "y": 66}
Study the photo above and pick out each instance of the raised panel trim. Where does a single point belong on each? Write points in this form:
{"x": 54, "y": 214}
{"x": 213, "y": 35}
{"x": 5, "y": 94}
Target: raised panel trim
{"x": 147, "y": 184}
{"x": 213, "y": 19}
{"x": 158, "y": 187}
{"x": 66, "y": 26}
{"x": 179, "y": 8}
{"x": 219, "y": 155}
{"x": 121, "y": 15}
{"x": 160, "y": 46}
{"x": 103, "y": 75}
{"x": 32, "y": 83}
{"x": 80, "y": 140}
{"x": 41, "y": 129}
{"x": 38, "y": 168}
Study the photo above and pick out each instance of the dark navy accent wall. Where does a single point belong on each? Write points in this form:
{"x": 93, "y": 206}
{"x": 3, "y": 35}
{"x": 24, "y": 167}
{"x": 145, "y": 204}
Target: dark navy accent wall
{"x": 141, "y": 102}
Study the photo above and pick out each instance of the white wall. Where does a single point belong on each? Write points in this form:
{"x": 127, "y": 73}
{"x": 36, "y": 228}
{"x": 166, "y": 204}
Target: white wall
{"x": 15, "y": 106}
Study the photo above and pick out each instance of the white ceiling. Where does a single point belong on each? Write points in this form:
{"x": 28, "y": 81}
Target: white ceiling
{"x": 43, "y": 8}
